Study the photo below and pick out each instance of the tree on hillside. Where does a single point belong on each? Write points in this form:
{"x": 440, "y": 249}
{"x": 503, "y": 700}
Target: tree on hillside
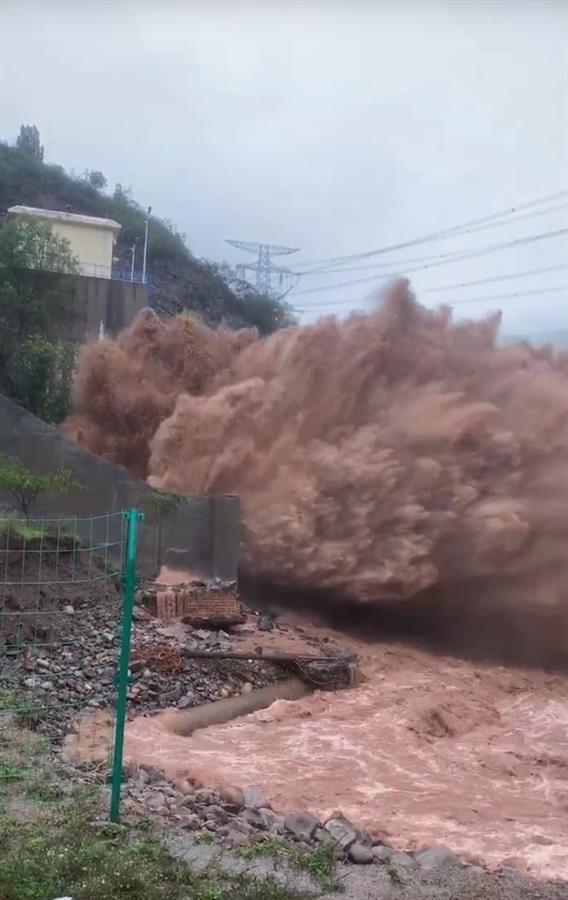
{"x": 28, "y": 141}
{"x": 122, "y": 194}
{"x": 25, "y": 487}
{"x": 34, "y": 370}
{"x": 95, "y": 179}
{"x": 42, "y": 377}
{"x": 31, "y": 244}
{"x": 267, "y": 313}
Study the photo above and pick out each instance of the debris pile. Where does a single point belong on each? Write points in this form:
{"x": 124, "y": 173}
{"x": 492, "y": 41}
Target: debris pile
{"x": 77, "y": 668}
{"x": 201, "y": 604}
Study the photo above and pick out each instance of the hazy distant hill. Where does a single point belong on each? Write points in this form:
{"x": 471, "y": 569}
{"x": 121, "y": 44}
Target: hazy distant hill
{"x": 181, "y": 280}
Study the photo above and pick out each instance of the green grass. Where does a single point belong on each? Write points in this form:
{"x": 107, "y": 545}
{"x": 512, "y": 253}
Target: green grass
{"x": 392, "y": 872}
{"x": 29, "y": 532}
{"x": 56, "y": 840}
{"x": 25, "y": 764}
{"x": 262, "y": 849}
{"x": 205, "y": 838}
{"x": 319, "y": 863}
{"x": 64, "y": 854}
{"x": 21, "y": 712}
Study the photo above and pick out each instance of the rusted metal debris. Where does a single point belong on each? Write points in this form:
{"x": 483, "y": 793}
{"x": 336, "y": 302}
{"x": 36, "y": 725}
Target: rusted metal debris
{"x": 325, "y": 672}
{"x": 165, "y": 658}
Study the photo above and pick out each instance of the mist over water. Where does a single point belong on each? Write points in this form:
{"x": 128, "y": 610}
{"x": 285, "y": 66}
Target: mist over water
{"x": 376, "y": 458}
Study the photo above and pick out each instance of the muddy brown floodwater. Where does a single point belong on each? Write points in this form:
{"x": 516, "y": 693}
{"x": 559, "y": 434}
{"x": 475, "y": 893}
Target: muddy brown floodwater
{"x": 431, "y": 749}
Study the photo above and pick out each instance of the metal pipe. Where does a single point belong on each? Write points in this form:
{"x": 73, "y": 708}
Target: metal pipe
{"x": 185, "y": 722}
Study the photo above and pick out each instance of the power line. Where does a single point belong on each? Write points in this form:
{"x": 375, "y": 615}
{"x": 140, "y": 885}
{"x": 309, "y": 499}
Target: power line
{"x": 538, "y": 291}
{"x": 550, "y": 290}
{"x": 324, "y": 270}
{"x": 446, "y": 232}
{"x": 470, "y": 254}
{"x": 526, "y": 273}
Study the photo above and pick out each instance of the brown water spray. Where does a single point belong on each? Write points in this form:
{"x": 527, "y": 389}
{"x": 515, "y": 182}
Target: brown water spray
{"x": 378, "y": 457}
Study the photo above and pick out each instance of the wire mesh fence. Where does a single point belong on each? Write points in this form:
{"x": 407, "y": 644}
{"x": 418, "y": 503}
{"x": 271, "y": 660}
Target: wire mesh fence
{"x": 66, "y": 594}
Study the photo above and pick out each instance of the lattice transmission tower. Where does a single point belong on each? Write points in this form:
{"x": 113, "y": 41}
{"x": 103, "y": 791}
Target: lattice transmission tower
{"x": 265, "y": 268}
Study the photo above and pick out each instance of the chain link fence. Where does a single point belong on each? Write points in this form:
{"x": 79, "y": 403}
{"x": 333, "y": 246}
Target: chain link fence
{"x": 66, "y": 596}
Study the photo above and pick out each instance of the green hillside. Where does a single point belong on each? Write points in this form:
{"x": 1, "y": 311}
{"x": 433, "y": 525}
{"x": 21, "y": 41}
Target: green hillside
{"x": 179, "y": 280}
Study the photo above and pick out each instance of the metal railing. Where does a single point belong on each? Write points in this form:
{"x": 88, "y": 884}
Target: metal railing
{"x": 117, "y": 273}
{"x": 66, "y": 598}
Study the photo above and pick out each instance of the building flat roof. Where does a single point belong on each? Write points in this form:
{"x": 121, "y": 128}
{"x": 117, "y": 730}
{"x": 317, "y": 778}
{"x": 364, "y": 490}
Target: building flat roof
{"x": 56, "y": 215}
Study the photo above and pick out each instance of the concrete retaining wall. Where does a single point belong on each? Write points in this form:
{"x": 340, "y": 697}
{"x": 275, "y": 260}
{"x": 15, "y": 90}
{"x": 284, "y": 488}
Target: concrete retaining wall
{"x": 202, "y": 535}
{"x": 92, "y": 301}
{"x": 96, "y": 300}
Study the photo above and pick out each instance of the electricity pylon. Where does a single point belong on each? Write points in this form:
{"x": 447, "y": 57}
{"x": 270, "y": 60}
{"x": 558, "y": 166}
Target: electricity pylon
{"x": 264, "y": 267}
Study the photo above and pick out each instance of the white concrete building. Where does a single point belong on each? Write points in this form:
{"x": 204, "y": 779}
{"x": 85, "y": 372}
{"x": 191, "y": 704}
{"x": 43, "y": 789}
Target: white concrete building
{"x": 91, "y": 239}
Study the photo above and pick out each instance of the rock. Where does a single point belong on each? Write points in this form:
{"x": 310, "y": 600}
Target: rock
{"x": 241, "y": 826}
{"x": 156, "y": 800}
{"x": 265, "y": 623}
{"x": 302, "y": 825}
{"x": 139, "y": 614}
{"x": 269, "y": 818}
{"x": 342, "y": 831}
{"x": 382, "y": 853}
{"x": 183, "y": 786}
{"x": 253, "y": 798}
{"x": 435, "y": 857}
{"x": 477, "y": 870}
{"x": 236, "y": 838}
{"x": 254, "y": 818}
{"x": 361, "y": 854}
{"x": 188, "y": 822}
{"x": 69, "y": 610}
{"x": 247, "y": 688}
{"x": 202, "y": 795}
{"x": 184, "y": 702}
{"x": 220, "y": 815}
{"x": 401, "y": 859}
{"x": 234, "y": 797}
{"x": 202, "y": 635}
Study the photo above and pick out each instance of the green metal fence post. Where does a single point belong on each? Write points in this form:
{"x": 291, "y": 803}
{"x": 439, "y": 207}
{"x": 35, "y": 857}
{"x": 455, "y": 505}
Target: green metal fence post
{"x": 129, "y": 587}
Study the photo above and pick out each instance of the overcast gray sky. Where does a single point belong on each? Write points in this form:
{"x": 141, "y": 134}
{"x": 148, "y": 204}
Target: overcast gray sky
{"x": 335, "y": 126}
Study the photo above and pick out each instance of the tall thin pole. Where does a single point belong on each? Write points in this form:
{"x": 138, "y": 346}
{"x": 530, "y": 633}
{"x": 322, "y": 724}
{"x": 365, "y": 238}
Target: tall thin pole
{"x": 132, "y": 260}
{"x": 129, "y": 588}
{"x": 145, "y": 245}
